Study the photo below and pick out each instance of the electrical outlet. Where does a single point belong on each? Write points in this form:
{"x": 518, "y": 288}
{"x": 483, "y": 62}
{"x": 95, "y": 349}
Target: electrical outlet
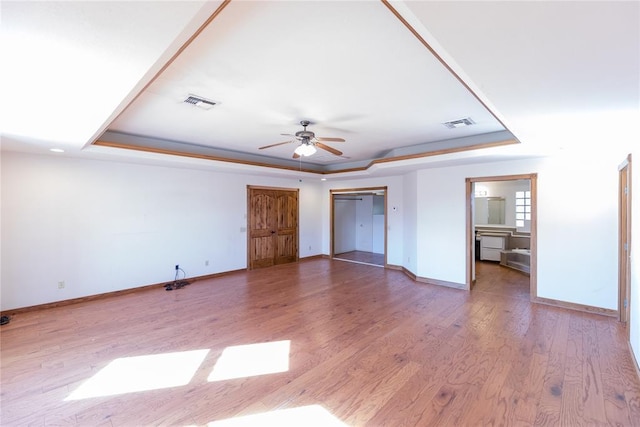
{"x": 61, "y": 285}
{"x": 206, "y": 263}
{"x": 177, "y": 267}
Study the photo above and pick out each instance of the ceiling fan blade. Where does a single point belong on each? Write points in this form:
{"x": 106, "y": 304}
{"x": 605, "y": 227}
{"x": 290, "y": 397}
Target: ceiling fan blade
{"x": 296, "y": 155}
{"x": 330, "y": 139}
{"x": 275, "y": 145}
{"x": 329, "y": 149}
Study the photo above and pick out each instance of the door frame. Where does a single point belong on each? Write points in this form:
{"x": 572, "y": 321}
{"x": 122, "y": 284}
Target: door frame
{"x": 248, "y": 218}
{"x": 470, "y": 235}
{"x": 624, "y": 238}
{"x": 363, "y": 190}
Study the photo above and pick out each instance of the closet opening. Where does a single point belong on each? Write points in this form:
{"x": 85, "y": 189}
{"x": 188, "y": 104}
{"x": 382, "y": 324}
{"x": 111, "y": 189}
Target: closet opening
{"x": 359, "y": 225}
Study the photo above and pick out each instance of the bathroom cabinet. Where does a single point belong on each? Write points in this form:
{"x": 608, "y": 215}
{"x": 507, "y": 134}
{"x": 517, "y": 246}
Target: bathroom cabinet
{"x": 518, "y": 259}
{"x": 491, "y": 246}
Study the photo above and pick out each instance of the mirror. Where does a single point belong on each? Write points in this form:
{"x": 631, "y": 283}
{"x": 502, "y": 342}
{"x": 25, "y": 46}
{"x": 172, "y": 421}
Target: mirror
{"x": 495, "y": 203}
{"x": 490, "y": 210}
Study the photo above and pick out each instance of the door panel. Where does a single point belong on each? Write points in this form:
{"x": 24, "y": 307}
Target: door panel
{"x": 261, "y": 208}
{"x": 624, "y": 242}
{"x": 285, "y": 249}
{"x": 262, "y": 250}
{"x": 287, "y": 240}
{"x": 261, "y": 224}
{"x": 272, "y": 227}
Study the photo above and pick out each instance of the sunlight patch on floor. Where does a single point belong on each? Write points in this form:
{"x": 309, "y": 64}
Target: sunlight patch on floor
{"x": 241, "y": 361}
{"x": 308, "y": 416}
{"x": 141, "y": 373}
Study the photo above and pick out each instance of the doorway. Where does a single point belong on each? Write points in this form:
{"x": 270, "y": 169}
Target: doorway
{"x": 501, "y": 231}
{"x": 624, "y": 242}
{"x": 272, "y": 226}
{"x": 358, "y": 225}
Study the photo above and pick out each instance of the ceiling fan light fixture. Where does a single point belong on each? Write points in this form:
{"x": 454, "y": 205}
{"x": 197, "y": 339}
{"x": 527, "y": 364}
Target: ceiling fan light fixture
{"x": 305, "y": 150}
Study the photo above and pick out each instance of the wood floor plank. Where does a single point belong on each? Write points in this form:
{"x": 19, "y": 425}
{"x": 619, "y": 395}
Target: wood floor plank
{"x": 369, "y": 345}
{"x": 494, "y": 399}
{"x": 523, "y": 404}
{"x": 551, "y": 399}
{"x": 621, "y": 399}
{"x": 571, "y": 385}
{"x": 592, "y": 389}
{"x": 409, "y": 407}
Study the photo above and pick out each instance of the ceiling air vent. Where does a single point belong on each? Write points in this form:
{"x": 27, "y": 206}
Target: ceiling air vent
{"x": 198, "y": 101}
{"x": 460, "y": 123}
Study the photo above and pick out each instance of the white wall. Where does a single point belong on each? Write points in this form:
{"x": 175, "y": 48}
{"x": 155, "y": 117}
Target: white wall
{"x": 364, "y": 223}
{"x": 410, "y": 216}
{"x": 440, "y": 224}
{"x": 106, "y": 226}
{"x": 577, "y": 226}
{"x": 378, "y": 234}
{"x": 344, "y": 212}
{"x": 356, "y": 227}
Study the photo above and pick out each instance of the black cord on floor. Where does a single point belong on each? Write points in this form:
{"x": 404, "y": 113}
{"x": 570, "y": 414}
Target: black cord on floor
{"x": 177, "y": 284}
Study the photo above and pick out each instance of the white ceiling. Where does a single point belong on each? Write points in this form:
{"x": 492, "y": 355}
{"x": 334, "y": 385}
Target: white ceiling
{"x": 543, "y": 73}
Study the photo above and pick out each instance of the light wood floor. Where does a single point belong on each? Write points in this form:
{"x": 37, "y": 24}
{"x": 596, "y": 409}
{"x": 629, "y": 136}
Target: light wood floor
{"x": 362, "y": 256}
{"x": 495, "y": 279}
{"x": 367, "y": 345}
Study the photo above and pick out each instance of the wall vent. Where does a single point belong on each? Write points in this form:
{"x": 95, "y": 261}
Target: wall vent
{"x": 460, "y": 123}
{"x": 198, "y": 101}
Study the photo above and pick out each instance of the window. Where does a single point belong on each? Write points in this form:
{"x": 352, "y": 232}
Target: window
{"x": 523, "y": 207}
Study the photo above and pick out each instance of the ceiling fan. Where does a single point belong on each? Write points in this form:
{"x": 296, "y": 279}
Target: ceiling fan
{"x": 308, "y": 142}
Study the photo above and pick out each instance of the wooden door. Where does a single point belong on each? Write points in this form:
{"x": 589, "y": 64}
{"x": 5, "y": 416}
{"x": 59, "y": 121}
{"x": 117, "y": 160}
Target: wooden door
{"x": 272, "y": 226}
{"x": 624, "y": 242}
